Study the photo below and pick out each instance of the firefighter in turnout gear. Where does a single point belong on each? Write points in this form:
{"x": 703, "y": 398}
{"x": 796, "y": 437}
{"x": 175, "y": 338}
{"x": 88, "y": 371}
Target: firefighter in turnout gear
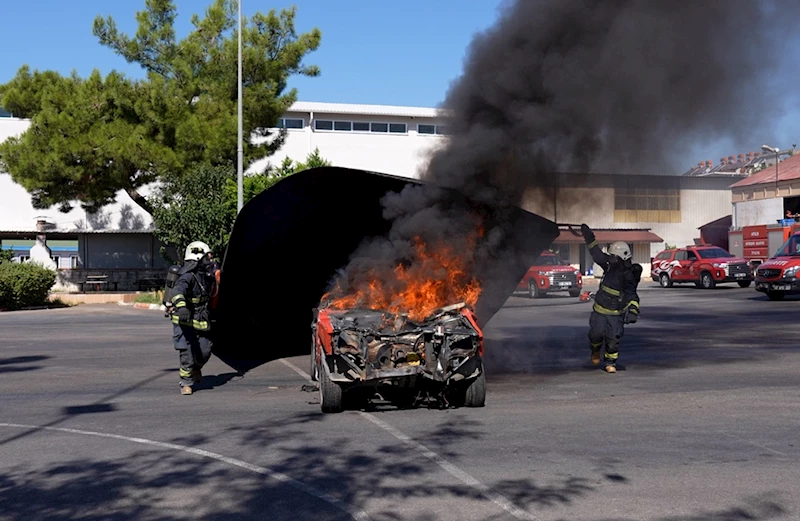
{"x": 616, "y": 302}
{"x": 190, "y": 313}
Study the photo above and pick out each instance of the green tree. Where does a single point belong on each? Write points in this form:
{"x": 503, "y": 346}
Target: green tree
{"x": 91, "y": 137}
{"x": 202, "y": 205}
{"x": 6, "y": 255}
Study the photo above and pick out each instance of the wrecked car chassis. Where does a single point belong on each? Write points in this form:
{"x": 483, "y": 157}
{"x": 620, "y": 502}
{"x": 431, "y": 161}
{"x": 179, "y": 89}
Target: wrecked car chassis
{"x": 435, "y": 360}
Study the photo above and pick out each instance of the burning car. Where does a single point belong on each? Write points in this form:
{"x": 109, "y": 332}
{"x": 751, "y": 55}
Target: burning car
{"x": 436, "y": 358}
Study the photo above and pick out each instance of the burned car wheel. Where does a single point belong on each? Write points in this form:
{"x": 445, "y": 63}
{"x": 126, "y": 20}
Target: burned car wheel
{"x": 331, "y": 394}
{"x": 471, "y": 393}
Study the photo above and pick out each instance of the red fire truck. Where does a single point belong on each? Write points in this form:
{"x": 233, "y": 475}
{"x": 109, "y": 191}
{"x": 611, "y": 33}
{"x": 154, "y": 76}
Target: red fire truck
{"x": 758, "y": 243}
{"x": 778, "y": 276}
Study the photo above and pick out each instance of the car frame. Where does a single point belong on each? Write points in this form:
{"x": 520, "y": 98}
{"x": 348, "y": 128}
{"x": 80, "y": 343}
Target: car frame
{"x": 699, "y": 265}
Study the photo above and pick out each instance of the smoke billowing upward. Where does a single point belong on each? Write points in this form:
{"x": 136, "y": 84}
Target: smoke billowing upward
{"x": 603, "y": 86}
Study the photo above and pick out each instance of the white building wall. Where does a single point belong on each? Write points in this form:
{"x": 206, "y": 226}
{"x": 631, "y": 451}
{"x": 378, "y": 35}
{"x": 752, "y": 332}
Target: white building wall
{"x": 757, "y": 211}
{"x": 17, "y": 212}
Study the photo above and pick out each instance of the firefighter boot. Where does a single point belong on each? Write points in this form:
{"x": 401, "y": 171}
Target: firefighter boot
{"x": 186, "y": 389}
{"x": 611, "y": 369}
{"x": 595, "y": 357}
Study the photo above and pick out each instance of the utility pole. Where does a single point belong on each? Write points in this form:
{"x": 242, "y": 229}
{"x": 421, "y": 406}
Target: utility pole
{"x": 240, "y": 148}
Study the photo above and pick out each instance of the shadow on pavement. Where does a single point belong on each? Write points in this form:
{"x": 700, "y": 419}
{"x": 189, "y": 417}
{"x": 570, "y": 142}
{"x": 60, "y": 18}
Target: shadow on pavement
{"x": 11, "y": 365}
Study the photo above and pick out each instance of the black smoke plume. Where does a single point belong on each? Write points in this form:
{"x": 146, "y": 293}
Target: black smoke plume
{"x": 609, "y": 86}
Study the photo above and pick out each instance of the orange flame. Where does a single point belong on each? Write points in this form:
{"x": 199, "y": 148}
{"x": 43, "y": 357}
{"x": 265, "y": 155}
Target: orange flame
{"x": 435, "y": 279}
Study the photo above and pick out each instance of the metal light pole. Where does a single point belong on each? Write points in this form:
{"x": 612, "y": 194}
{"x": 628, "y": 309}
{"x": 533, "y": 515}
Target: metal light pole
{"x": 776, "y": 151}
{"x": 240, "y": 148}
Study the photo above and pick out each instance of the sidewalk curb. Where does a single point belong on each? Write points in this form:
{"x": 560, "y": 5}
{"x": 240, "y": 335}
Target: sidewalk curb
{"x": 142, "y": 305}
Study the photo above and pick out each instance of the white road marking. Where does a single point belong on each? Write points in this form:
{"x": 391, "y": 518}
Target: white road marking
{"x": 448, "y": 467}
{"x": 353, "y": 511}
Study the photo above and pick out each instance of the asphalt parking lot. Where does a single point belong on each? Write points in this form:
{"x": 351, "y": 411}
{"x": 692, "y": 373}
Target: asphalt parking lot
{"x": 701, "y": 425}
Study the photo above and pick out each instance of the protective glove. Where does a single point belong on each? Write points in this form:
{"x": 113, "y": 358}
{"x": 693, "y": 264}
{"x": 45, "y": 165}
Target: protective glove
{"x": 588, "y": 234}
{"x": 631, "y": 316}
{"x": 184, "y": 315}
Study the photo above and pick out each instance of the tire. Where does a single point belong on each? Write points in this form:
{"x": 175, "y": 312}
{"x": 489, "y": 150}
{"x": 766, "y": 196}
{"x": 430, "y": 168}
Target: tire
{"x": 664, "y": 280}
{"x": 574, "y": 292}
{"x": 471, "y": 393}
{"x": 776, "y": 295}
{"x": 475, "y": 395}
{"x": 533, "y": 290}
{"x": 313, "y": 369}
{"x": 331, "y": 394}
{"x": 744, "y": 283}
{"x": 707, "y": 281}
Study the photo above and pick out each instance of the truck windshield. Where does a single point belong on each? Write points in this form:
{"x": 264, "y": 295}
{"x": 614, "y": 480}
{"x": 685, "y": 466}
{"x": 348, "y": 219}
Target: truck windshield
{"x": 790, "y": 247}
{"x": 547, "y": 260}
{"x": 713, "y": 253}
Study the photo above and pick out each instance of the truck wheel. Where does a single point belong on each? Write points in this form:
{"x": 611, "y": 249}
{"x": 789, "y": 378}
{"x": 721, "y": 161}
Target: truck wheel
{"x": 574, "y": 292}
{"x": 533, "y": 289}
{"x": 330, "y": 394}
{"x": 665, "y": 281}
{"x": 744, "y": 284}
{"x": 707, "y": 281}
{"x": 775, "y": 295}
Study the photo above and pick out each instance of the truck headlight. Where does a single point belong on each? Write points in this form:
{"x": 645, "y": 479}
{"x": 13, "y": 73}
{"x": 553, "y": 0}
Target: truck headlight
{"x": 720, "y": 264}
{"x": 547, "y": 273}
{"x": 791, "y": 272}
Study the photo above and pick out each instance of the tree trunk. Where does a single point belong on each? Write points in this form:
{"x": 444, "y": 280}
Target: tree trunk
{"x": 139, "y": 199}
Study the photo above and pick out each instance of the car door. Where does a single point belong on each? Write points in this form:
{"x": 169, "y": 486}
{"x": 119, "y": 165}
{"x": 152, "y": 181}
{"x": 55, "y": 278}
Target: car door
{"x": 680, "y": 271}
{"x": 692, "y": 264}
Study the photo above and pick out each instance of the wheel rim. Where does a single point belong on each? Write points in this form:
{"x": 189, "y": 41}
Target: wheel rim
{"x": 706, "y": 280}
{"x": 664, "y": 280}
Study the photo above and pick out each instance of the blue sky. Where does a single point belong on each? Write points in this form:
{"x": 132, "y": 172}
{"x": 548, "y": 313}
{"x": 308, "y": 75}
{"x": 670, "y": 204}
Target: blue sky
{"x": 372, "y": 51}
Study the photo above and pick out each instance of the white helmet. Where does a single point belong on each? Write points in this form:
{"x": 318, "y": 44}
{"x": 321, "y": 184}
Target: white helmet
{"x": 620, "y": 249}
{"x": 196, "y": 250}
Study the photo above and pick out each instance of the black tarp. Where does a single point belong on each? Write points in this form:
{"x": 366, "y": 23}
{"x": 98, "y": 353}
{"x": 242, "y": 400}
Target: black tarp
{"x": 288, "y": 242}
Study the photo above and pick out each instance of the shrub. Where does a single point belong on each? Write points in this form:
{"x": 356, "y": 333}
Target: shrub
{"x": 154, "y": 297}
{"x": 25, "y": 284}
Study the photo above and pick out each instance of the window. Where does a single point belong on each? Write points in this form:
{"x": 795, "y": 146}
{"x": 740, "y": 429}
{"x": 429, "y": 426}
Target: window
{"x": 57, "y": 260}
{"x": 73, "y": 262}
{"x": 5, "y": 114}
{"x": 292, "y": 123}
{"x": 680, "y": 255}
{"x": 397, "y": 128}
{"x": 24, "y": 258}
{"x": 655, "y": 200}
{"x": 379, "y": 127}
{"x": 664, "y": 255}
{"x": 691, "y": 256}
{"x": 360, "y": 126}
{"x": 713, "y": 253}
{"x": 322, "y": 124}
{"x": 343, "y": 126}
{"x": 432, "y": 129}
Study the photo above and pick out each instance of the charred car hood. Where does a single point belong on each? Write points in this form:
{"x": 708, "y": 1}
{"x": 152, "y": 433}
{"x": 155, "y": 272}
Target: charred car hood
{"x": 288, "y": 242}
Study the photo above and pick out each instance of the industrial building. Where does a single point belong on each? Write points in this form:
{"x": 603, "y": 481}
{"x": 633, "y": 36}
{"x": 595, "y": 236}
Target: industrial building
{"x": 648, "y": 211}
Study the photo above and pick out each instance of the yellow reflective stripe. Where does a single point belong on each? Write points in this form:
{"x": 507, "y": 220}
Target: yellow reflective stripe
{"x": 605, "y": 311}
{"x": 633, "y": 303}
{"x": 179, "y": 296}
{"x": 200, "y": 324}
{"x": 185, "y": 373}
{"x": 610, "y": 290}
{"x": 181, "y": 304}
{"x": 612, "y": 356}
{"x": 196, "y": 300}
{"x": 593, "y": 244}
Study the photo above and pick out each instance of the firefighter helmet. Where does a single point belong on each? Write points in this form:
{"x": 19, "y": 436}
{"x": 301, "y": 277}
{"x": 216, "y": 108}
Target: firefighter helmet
{"x": 196, "y": 251}
{"x": 620, "y": 249}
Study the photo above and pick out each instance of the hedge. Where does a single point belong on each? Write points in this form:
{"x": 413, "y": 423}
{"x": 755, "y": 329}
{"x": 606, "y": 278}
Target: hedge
{"x": 24, "y": 284}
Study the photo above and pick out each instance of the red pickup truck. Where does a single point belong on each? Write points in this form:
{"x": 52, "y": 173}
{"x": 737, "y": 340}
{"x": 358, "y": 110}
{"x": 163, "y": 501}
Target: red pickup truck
{"x": 777, "y": 276}
{"x": 705, "y": 266}
{"x": 550, "y": 273}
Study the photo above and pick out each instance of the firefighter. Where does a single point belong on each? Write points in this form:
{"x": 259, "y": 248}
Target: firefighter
{"x": 616, "y": 302}
{"x": 190, "y": 313}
